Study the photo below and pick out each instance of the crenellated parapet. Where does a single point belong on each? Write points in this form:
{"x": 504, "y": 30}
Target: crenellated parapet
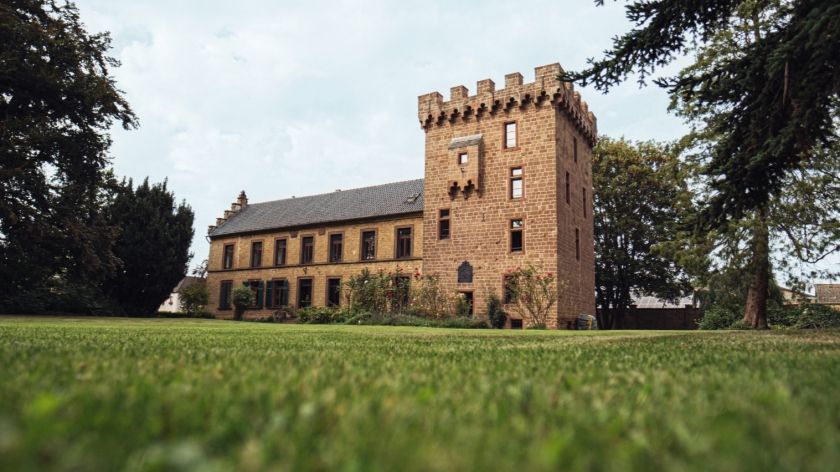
{"x": 432, "y": 110}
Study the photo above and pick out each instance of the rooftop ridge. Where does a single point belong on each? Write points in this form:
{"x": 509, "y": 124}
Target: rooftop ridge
{"x": 336, "y": 191}
{"x": 432, "y": 110}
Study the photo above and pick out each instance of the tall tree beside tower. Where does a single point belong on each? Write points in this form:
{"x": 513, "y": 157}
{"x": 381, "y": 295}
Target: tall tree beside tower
{"x": 764, "y": 92}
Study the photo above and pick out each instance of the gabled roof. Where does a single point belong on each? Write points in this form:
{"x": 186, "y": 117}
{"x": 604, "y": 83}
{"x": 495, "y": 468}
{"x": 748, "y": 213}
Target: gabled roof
{"x": 392, "y": 199}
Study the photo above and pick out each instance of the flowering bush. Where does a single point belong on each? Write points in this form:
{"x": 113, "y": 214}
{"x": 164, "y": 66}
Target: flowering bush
{"x": 428, "y": 299}
{"x": 534, "y": 292}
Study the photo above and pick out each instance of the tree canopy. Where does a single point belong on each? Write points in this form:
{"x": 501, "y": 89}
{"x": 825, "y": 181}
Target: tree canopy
{"x": 776, "y": 100}
{"x": 57, "y": 101}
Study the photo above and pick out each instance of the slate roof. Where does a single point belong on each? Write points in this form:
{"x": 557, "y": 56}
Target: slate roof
{"x": 392, "y": 199}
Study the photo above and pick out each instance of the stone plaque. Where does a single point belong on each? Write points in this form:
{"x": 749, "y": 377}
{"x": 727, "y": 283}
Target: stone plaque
{"x": 465, "y": 273}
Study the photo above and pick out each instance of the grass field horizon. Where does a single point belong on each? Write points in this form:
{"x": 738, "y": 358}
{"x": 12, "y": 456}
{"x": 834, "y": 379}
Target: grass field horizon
{"x": 153, "y": 394}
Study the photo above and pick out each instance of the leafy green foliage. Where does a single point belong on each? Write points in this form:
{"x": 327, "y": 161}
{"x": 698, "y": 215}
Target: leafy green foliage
{"x": 194, "y": 298}
{"x": 322, "y": 315}
{"x": 535, "y": 292}
{"x": 57, "y": 103}
{"x": 214, "y": 395}
{"x": 812, "y": 316}
{"x": 153, "y": 245}
{"x": 242, "y": 298}
{"x": 641, "y": 200}
{"x": 496, "y": 315}
{"x": 774, "y": 95}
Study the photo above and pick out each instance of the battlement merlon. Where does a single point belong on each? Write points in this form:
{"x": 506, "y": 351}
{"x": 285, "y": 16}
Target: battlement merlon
{"x": 432, "y": 110}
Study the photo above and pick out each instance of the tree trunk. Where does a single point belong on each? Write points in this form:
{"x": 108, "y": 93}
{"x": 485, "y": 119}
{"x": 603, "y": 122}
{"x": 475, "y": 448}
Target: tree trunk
{"x": 755, "y": 311}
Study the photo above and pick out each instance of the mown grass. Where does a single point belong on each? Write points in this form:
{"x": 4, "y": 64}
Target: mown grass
{"x": 85, "y": 394}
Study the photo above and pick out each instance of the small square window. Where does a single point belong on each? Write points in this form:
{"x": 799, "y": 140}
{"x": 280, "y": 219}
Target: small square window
{"x": 463, "y": 158}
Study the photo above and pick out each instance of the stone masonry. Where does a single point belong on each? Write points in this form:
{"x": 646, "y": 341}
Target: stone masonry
{"x": 468, "y": 170}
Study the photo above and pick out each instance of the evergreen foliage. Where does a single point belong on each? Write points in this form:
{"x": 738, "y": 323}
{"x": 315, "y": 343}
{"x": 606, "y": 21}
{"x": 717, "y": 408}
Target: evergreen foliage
{"x": 57, "y": 102}
{"x": 153, "y": 245}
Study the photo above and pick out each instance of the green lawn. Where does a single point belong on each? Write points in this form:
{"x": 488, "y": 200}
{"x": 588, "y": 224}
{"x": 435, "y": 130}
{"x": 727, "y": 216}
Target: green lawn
{"x": 114, "y": 394}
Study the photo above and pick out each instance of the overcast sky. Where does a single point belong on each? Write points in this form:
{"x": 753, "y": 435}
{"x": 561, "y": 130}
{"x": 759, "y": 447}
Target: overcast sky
{"x": 284, "y": 98}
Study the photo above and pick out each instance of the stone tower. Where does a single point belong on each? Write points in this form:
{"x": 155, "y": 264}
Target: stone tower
{"x": 508, "y": 182}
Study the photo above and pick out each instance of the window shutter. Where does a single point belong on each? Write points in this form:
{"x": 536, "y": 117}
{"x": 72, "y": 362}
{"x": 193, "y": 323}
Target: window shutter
{"x": 260, "y": 292}
{"x": 269, "y": 290}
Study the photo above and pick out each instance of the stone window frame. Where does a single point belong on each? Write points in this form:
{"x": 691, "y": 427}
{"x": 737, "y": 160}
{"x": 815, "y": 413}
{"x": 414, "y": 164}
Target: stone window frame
{"x": 471, "y": 299}
{"x": 511, "y": 178}
{"x": 510, "y": 235}
{"x": 397, "y": 242}
{"x": 256, "y": 263}
{"x": 298, "y": 292}
{"x": 222, "y": 283}
{"x": 448, "y": 220}
{"x": 270, "y": 294}
{"x": 362, "y": 232}
{"x": 232, "y": 265}
{"x": 327, "y": 290}
{"x": 330, "y": 247}
{"x": 285, "y": 251}
{"x": 505, "y": 147}
{"x": 301, "y": 238}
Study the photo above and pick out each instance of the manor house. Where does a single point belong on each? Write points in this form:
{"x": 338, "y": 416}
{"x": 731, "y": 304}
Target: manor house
{"x": 508, "y": 182}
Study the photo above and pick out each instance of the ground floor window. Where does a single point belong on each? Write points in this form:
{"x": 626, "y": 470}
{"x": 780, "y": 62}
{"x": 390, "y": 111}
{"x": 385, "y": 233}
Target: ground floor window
{"x": 277, "y": 293}
{"x": 225, "y": 289}
{"x": 304, "y": 296}
{"x": 515, "y": 324}
{"x": 468, "y": 298}
{"x": 333, "y": 292}
{"x": 256, "y": 286}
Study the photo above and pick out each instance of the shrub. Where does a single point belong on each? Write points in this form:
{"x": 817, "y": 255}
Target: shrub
{"x": 368, "y": 291}
{"x": 496, "y": 316}
{"x": 535, "y": 293}
{"x": 284, "y": 313}
{"x": 464, "y": 323}
{"x": 429, "y": 299}
{"x": 779, "y": 316}
{"x": 716, "y": 317}
{"x": 813, "y": 316}
{"x": 462, "y": 306}
{"x": 193, "y": 298}
{"x": 242, "y": 298}
{"x": 321, "y": 315}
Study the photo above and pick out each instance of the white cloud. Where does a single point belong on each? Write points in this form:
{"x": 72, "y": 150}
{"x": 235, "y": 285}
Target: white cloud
{"x": 293, "y": 98}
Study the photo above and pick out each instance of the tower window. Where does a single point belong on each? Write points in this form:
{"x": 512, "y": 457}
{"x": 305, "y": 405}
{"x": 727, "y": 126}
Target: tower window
{"x": 463, "y": 158}
{"x": 511, "y": 135}
{"x": 443, "y": 224}
{"x": 577, "y": 244}
{"x": 516, "y": 183}
{"x": 517, "y": 236}
{"x": 584, "y": 201}
{"x": 568, "y": 188}
{"x": 574, "y": 150}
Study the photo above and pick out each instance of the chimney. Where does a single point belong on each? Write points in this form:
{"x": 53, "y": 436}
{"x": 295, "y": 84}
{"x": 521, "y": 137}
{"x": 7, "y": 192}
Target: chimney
{"x": 242, "y": 200}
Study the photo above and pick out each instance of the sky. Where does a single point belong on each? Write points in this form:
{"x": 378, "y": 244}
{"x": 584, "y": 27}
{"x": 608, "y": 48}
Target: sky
{"x": 282, "y": 98}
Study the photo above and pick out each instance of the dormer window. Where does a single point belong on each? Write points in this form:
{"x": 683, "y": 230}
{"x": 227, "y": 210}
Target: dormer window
{"x": 463, "y": 158}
